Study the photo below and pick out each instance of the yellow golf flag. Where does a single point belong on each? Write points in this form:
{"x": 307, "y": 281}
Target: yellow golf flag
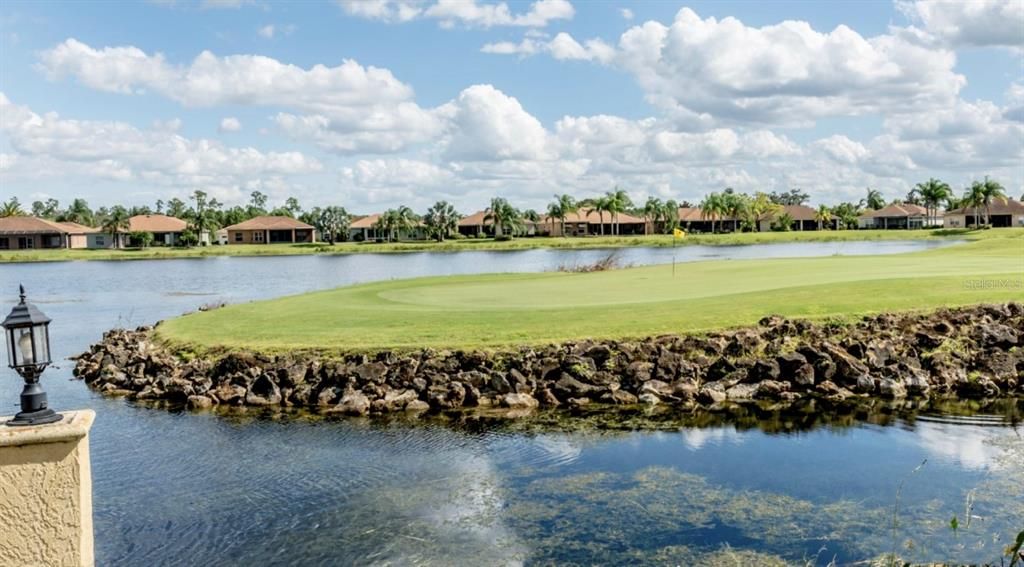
{"x": 678, "y": 233}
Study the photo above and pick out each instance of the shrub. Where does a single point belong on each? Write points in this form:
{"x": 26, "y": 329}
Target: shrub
{"x": 141, "y": 238}
{"x": 188, "y": 238}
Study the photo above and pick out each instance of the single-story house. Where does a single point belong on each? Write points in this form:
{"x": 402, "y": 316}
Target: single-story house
{"x": 1002, "y": 213}
{"x": 804, "y": 218}
{"x": 365, "y": 229}
{"x": 897, "y": 215}
{"x": 23, "y": 233}
{"x": 270, "y": 230}
{"x": 583, "y": 223}
{"x": 166, "y": 230}
{"x": 477, "y": 224}
{"x": 692, "y": 219}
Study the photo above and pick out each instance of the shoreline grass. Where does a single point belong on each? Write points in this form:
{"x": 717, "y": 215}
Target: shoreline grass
{"x": 523, "y": 243}
{"x": 500, "y": 310}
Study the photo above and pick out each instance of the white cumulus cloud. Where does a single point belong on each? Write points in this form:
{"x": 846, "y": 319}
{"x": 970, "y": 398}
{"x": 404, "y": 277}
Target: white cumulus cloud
{"x": 468, "y": 13}
{"x": 230, "y": 124}
{"x": 977, "y": 23}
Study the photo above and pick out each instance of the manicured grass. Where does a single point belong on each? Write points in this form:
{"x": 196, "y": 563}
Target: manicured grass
{"x": 490, "y": 244}
{"x": 504, "y": 309}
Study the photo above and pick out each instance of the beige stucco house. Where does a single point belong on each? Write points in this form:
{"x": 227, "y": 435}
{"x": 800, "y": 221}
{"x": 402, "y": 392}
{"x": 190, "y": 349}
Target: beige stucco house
{"x": 25, "y": 233}
{"x": 1002, "y": 213}
{"x": 896, "y": 215}
{"x": 270, "y": 230}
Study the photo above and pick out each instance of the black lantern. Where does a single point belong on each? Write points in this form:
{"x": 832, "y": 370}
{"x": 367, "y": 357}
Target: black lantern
{"x": 28, "y": 353}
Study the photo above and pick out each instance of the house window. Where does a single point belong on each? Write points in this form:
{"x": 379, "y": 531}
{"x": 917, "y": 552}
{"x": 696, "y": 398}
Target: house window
{"x": 5, "y": 243}
{"x": 238, "y": 237}
{"x": 257, "y": 236}
{"x": 26, "y": 242}
{"x": 100, "y": 241}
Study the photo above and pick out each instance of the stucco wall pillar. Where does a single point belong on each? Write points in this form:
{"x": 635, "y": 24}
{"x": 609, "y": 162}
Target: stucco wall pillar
{"x": 46, "y": 492}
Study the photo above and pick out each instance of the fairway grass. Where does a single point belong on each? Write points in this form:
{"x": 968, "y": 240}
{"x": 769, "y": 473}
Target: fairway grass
{"x": 158, "y": 253}
{"x": 497, "y": 310}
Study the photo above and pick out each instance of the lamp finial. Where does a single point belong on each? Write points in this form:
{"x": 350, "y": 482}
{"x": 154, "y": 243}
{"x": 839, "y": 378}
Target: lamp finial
{"x": 21, "y": 288}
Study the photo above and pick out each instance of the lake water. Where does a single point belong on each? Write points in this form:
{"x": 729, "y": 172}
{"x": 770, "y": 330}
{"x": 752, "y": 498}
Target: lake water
{"x": 173, "y": 487}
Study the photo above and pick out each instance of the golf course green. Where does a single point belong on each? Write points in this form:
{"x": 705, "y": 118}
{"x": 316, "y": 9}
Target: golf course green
{"x": 496, "y": 310}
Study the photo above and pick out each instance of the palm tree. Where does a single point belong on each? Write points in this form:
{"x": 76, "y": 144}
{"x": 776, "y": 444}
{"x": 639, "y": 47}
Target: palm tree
{"x": 563, "y": 206}
{"x": 847, "y": 214}
{"x": 874, "y": 199}
{"x": 555, "y": 212}
{"x": 992, "y": 190}
{"x": 734, "y": 205}
{"x": 441, "y": 220}
{"x": 385, "y": 223}
{"x": 618, "y": 202}
{"x": 404, "y": 221}
{"x": 204, "y": 210}
{"x": 79, "y": 212}
{"x": 932, "y": 193}
{"x": 503, "y": 215}
{"x": 332, "y": 222}
{"x": 653, "y": 210}
{"x": 762, "y": 207}
{"x": 600, "y": 205}
{"x": 711, "y": 208}
{"x": 116, "y": 223}
{"x": 669, "y": 215}
{"x": 823, "y": 215}
{"x": 975, "y": 198}
{"x": 11, "y": 208}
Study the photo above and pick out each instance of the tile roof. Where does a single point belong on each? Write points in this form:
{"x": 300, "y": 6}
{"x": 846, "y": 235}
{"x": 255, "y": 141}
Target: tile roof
{"x": 796, "y": 212}
{"x": 366, "y": 222}
{"x": 896, "y": 210}
{"x": 592, "y": 217}
{"x": 30, "y": 225}
{"x": 693, "y": 214}
{"x": 370, "y": 220}
{"x": 1004, "y": 206}
{"x": 269, "y": 223}
{"x": 156, "y": 223}
{"x": 475, "y": 219}
{"x": 75, "y": 228}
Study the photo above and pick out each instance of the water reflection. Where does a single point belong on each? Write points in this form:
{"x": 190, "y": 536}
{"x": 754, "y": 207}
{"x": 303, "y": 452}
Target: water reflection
{"x": 751, "y": 484}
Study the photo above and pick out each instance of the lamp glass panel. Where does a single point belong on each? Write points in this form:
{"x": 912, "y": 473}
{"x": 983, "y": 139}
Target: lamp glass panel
{"x": 23, "y": 346}
{"x": 40, "y": 340}
{"x": 9, "y": 340}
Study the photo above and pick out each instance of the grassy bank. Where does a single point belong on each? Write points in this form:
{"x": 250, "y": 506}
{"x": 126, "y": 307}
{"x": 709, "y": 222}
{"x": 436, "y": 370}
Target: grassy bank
{"x": 490, "y": 244}
{"x": 503, "y": 309}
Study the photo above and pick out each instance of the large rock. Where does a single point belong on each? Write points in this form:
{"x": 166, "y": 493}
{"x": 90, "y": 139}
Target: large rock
{"x": 519, "y": 401}
{"x": 353, "y": 403}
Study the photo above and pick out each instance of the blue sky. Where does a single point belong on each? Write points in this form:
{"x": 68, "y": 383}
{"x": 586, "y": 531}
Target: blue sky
{"x": 478, "y": 99}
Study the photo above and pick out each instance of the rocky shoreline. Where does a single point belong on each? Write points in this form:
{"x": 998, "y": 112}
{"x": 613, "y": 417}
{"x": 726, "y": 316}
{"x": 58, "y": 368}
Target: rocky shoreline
{"x": 968, "y": 353}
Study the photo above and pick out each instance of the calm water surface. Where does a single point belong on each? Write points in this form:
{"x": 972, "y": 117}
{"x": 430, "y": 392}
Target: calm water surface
{"x": 258, "y": 488}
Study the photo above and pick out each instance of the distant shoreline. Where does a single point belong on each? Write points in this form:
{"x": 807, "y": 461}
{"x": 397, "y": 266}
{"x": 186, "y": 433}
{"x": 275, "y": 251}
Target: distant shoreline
{"x": 489, "y": 244}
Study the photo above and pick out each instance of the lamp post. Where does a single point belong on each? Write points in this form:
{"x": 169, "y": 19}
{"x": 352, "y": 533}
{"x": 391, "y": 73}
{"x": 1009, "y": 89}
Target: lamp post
{"x": 28, "y": 353}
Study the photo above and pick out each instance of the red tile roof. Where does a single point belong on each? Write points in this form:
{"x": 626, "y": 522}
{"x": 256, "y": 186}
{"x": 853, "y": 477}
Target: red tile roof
{"x": 270, "y": 223}
{"x": 796, "y": 212}
{"x": 1005, "y": 206}
{"x": 896, "y": 210}
{"x": 592, "y": 217}
{"x": 156, "y": 223}
{"x": 366, "y": 222}
{"x": 30, "y": 225}
{"x": 75, "y": 228}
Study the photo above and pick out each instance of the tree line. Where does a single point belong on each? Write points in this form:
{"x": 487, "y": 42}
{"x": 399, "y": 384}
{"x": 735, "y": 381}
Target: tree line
{"x": 744, "y": 211}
